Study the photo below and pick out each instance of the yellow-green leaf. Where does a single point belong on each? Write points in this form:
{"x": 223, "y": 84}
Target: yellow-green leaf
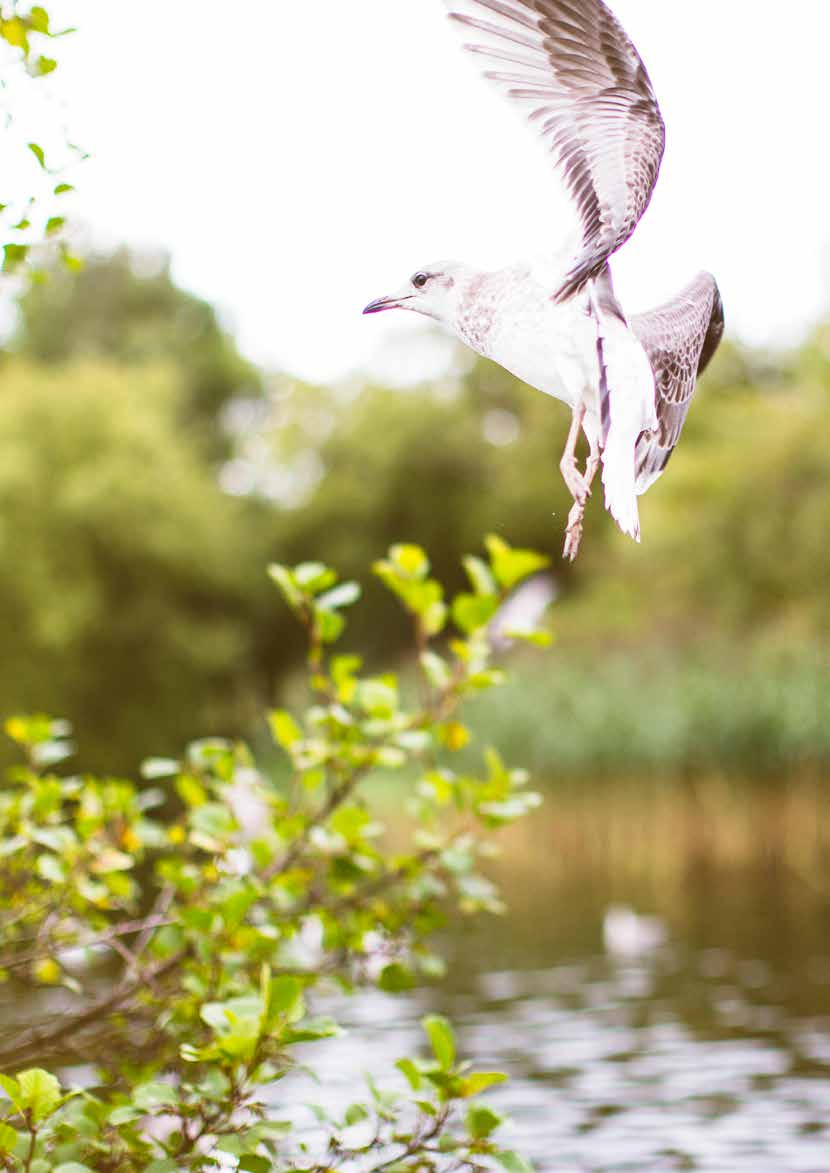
{"x": 284, "y": 729}
{"x": 40, "y": 1092}
{"x": 441, "y": 1039}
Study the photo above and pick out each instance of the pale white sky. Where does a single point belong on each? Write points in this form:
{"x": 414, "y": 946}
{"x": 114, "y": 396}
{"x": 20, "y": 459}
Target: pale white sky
{"x": 299, "y": 159}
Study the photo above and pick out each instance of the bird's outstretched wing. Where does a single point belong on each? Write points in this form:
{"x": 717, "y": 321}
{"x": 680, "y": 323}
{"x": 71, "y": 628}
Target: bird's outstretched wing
{"x": 570, "y": 65}
{"x": 680, "y": 339}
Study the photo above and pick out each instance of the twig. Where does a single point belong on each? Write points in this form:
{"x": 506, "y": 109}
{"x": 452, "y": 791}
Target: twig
{"x": 40, "y": 1042}
{"x": 387, "y": 880}
{"x": 145, "y": 925}
{"x": 336, "y": 798}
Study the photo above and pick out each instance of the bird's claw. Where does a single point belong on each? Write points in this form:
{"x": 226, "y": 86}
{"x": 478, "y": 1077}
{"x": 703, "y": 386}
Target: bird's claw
{"x": 573, "y": 540}
{"x": 573, "y": 534}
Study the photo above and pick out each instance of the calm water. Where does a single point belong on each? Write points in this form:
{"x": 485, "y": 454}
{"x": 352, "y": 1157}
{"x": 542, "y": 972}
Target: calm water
{"x": 699, "y": 1039}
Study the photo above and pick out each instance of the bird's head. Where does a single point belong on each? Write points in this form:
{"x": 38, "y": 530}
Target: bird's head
{"x": 433, "y": 291}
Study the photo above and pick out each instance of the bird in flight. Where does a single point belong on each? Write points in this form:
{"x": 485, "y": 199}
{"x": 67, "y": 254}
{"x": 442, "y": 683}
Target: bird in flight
{"x": 555, "y": 321}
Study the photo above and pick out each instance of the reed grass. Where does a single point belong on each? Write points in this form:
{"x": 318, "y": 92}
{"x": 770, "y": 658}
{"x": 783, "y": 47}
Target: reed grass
{"x": 761, "y": 715}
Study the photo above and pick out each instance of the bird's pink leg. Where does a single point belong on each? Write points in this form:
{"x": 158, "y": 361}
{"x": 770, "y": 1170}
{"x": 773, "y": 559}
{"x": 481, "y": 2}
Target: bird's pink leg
{"x": 573, "y": 478}
{"x": 573, "y": 534}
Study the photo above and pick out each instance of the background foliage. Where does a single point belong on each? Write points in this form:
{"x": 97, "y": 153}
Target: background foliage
{"x": 128, "y": 418}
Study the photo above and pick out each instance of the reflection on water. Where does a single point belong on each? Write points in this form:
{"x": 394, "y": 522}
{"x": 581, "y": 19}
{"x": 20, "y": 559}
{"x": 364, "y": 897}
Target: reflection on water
{"x": 697, "y": 1038}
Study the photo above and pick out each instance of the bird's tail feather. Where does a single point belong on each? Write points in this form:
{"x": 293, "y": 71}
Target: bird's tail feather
{"x": 618, "y": 477}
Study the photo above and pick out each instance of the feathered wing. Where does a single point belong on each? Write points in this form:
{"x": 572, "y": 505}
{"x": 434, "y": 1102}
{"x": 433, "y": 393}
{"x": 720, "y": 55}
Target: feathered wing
{"x": 680, "y": 339}
{"x": 570, "y": 65}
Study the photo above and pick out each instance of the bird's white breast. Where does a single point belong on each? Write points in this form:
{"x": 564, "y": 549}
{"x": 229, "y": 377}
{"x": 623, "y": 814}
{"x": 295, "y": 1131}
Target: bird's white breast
{"x": 513, "y": 320}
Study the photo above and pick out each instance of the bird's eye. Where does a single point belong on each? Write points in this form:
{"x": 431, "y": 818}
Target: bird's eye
{"x": 420, "y": 280}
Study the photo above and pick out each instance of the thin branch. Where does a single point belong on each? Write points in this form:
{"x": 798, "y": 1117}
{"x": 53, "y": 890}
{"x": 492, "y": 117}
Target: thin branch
{"x": 336, "y": 798}
{"x": 145, "y": 925}
{"x": 39, "y": 1042}
{"x": 383, "y": 883}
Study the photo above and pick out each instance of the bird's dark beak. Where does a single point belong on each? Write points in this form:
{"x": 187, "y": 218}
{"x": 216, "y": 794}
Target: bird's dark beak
{"x": 381, "y": 304}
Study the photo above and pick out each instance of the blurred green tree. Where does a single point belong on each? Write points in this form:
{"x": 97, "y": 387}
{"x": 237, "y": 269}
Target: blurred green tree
{"x": 131, "y": 581}
{"x": 127, "y": 308}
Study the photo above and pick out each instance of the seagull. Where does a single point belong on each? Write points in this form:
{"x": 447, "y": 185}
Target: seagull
{"x": 554, "y": 321}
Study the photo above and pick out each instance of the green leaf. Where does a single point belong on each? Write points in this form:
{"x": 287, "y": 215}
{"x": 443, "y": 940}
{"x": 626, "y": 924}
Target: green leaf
{"x": 251, "y": 1163}
{"x": 12, "y": 1089}
{"x": 285, "y": 999}
{"x": 441, "y": 1039}
{"x": 13, "y": 256}
{"x": 455, "y": 736}
{"x": 154, "y": 768}
{"x": 284, "y": 579}
{"x": 378, "y": 697}
{"x": 54, "y": 224}
{"x": 395, "y": 978}
{"x": 411, "y": 1073}
{"x": 191, "y": 791}
{"x": 539, "y": 639}
{"x": 40, "y": 1092}
{"x": 330, "y": 625}
{"x": 38, "y": 153}
{"x": 8, "y": 1138}
{"x": 314, "y": 577}
{"x": 311, "y": 1030}
{"x": 36, "y": 730}
{"x": 39, "y": 18}
{"x": 513, "y": 1163}
{"x": 50, "y": 868}
{"x": 284, "y": 729}
{"x": 47, "y": 972}
{"x": 14, "y": 32}
{"x": 71, "y": 263}
{"x": 45, "y": 66}
{"x": 480, "y": 1081}
{"x": 482, "y": 1122}
{"x": 63, "y": 188}
{"x": 480, "y": 576}
{"x": 472, "y": 612}
{"x": 124, "y": 1115}
{"x": 344, "y": 670}
{"x": 149, "y": 1096}
{"x": 409, "y": 561}
{"x": 344, "y": 595}
{"x": 355, "y": 1114}
{"x": 512, "y": 566}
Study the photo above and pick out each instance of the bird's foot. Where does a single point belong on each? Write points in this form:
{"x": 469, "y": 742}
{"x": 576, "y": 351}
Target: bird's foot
{"x": 573, "y": 534}
{"x": 578, "y": 486}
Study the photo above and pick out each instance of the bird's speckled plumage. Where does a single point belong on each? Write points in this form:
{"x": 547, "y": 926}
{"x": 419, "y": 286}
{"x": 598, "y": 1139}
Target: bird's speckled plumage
{"x": 510, "y": 317}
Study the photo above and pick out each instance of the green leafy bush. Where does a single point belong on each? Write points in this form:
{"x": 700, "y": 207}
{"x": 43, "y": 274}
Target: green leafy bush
{"x": 222, "y": 906}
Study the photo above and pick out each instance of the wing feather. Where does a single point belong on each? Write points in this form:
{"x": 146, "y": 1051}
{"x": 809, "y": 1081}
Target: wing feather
{"x": 582, "y": 82}
{"x": 680, "y": 339}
